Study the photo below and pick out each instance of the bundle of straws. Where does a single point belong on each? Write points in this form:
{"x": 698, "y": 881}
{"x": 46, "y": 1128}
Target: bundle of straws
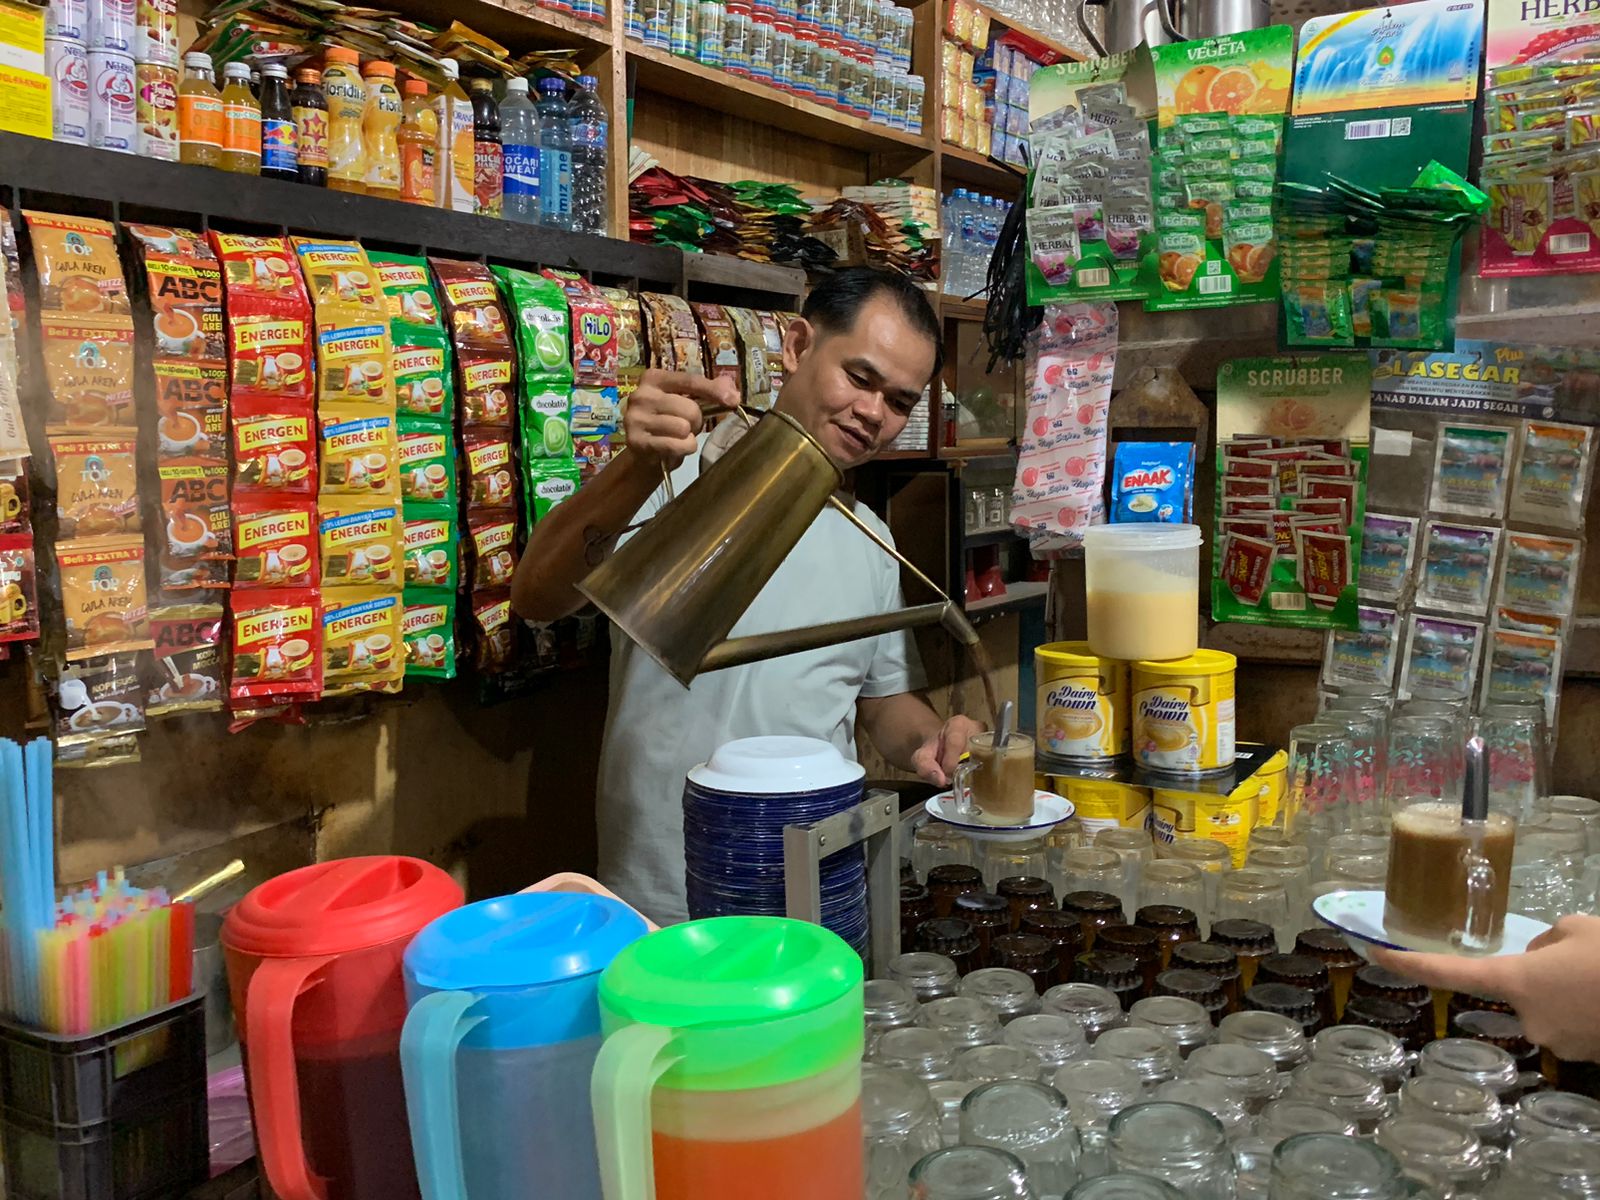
{"x": 100, "y": 956}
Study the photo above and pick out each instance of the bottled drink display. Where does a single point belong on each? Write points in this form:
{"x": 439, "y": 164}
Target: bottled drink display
{"x": 971, "y": 225}
{"x": 199, "y": 113}
{"x": 519, "y": 139}
{"x": 310, "y": 127}
{"x": 587, "y": 127}
{"x": 380, "y": 128}
{"x": 555, "y": 156}
{"x": 241, "y": 123}
{"x": 419, "y": 145}
{"x": 488, "y": 158}
{"x": 280, "y": 157}
{"x": 346, "y": 93}
{"x": 455, "y": 162}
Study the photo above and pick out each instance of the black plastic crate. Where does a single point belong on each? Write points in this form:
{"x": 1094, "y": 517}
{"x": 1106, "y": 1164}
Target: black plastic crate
{"x": 117, "y": 1074}
{"x": 160, "y": 1153}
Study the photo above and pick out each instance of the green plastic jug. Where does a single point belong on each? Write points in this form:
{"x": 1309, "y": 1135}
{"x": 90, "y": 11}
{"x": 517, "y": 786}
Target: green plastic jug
{"x": 731, "y": 1066}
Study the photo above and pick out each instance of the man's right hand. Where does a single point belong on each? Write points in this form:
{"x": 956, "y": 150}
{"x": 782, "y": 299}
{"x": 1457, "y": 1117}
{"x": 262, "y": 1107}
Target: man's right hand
{"x": 668, "y": 410}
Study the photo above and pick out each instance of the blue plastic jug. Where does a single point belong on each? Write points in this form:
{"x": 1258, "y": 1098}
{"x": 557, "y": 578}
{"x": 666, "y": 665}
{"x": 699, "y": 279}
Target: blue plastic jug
{"x": 500, "y": 1043}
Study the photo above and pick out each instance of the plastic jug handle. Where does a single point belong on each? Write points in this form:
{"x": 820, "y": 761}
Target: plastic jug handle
{"x": 274, "y": 1084}
{"x": 428, "y": 1043}
{"x": 630, "y": 1062}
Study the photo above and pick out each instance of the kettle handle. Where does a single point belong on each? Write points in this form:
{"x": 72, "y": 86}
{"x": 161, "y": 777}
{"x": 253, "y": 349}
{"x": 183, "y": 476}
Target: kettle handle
{"x": 274, "y": 1083}
{"x": 428, "y": 1043}
{"x": 1083, "y": 27}
{"x": 631, "y": 1060}
{"x": 1169, "y": 23}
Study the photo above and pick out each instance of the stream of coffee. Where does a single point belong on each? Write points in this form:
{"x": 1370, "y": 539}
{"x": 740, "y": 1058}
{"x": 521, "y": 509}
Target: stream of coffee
{"x": 984, "y": 666}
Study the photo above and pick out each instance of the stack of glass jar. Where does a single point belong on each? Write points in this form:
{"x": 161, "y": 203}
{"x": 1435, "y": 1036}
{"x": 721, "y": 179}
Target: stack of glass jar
{"x": 853, "y": 56}
{"x": 1030, "y": 1043}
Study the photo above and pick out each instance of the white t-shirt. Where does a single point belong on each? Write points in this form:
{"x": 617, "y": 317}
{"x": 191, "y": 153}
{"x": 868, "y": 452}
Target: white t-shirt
{"x": 657, "y": 729}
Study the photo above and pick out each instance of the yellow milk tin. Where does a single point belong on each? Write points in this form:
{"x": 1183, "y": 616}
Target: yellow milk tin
{"x": 1273, "y": 776}
{"x": 1183, "y": 713}
{"x": 1083, "y": 702}
{"x": 1100, "y": 804}
{"x": 1226, "y": 818}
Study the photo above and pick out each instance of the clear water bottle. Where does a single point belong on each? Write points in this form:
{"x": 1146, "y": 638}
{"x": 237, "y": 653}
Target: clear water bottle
{"x": 519, "y": 135}
{"x": 555, "y": 156}
{"x": 969, "y": 210}
{"x": 947, "y": 228}
{"x": 588, "y": 128}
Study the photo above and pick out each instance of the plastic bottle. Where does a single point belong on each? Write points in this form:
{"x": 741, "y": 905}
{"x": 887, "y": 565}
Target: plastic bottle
{"x": 199, "y": 113}
{"x": 968, "y": 215}
{"x": 241, "y": 122}
{"x": 310, "y": 127}
{"x": 555, "y": 156}
{"x": 519, "y": 137}
{"x": 346, "y": 92}
{"x": 419, "y": 144}
{"x": 280, "y": 153}
{"x": 488, "y": 156}
{"x": 589, "y": 132}
{"x": 380, "y": 125}
{"x": 453, "y": 165}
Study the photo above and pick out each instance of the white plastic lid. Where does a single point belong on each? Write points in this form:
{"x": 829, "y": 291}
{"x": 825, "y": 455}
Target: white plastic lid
{"x": 236, "y": 70}
{"x": 275, "y": 71}
{"x": 517, "y": 84}
{"x": 452, "y": 69}
{"x": 772, "y": 766}
{"x": 197, "y": 58}
{"x": 1136, "y": 536}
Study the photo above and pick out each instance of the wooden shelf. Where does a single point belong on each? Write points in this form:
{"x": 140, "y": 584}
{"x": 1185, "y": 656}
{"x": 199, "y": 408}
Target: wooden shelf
{"x": 520, "y": 25}
{"x": 686, "y": 80}
{"x": 962, "y": 167}
{"x": 1045, "y": 40}
{"x": 1018, "y": 595}
{"x": 957, "y": 309}
{"x": 979, "y": 448}
{"x": 723, "y": 270}
{"x": 989, "y": 537}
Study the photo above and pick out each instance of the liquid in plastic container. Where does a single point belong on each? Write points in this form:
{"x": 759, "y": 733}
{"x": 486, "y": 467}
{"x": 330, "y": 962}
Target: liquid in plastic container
{"x": 1142, "y": 585}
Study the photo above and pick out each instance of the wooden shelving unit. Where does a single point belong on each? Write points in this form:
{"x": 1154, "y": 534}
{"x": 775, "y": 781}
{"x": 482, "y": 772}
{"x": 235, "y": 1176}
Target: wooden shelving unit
{"x": 1049, "y": 43}
{"x": 967, "y": 168}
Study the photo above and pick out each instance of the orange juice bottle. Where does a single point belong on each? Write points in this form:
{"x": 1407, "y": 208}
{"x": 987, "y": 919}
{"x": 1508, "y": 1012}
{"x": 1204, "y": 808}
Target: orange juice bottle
{"x": 456, "y": 162}
{"x": 241, "y": 122}
{"x": 347, "y": 105}
{"x": 419, "y": 144}
{"x": 380, "y": 124}
{"x": 199, "y": 113}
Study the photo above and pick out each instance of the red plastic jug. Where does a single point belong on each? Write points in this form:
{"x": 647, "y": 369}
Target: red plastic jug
{"x": 314, "y": 971}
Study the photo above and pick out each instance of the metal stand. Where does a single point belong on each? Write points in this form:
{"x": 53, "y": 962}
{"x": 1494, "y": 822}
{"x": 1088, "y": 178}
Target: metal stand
{"x": 875, "y": 823}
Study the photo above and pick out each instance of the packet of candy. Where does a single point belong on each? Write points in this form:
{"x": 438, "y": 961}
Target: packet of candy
{"x": 1246, "y": 568}
{"x": 362, "y": 543}
{"x": 1126, "y": 219}
{"x": 1366, "y": 654}
{"x": 542, "y": 327}
{"x": 547, "y": 421}
{"x": 1053, "y": 243}
{"x": 189, "y": 671}
{"x": 1441, "y": 657}
{"x": 595, "y": 417}
{"x": 1324, "y": 567}
{"x": 1552, "y": 476}
{"x": 1471, "y": 469}
{"x": 362, "y": 650}
{"x": 430, "y": 545}
{"x": 1387, "y": 545}
{"x": 1539, "y": 574}
{"x": 428, "y": 629}
{"x": 1153, "y": 482}
{"x": 1457, "y": 572}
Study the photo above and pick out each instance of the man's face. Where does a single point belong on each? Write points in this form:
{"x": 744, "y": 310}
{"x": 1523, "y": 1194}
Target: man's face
{"x": 853, "y": 389}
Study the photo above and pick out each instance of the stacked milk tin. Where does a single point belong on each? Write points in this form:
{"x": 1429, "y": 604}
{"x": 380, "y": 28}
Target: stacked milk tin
{"x": 113, "y": 66}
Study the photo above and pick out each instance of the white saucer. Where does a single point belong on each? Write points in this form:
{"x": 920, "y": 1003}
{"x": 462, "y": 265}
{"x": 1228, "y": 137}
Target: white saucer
{"x": 1359, "y": 916}
{"x": 1049, "y": 809}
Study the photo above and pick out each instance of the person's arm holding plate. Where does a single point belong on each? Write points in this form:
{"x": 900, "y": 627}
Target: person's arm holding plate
{"x": 665, "y": 414}
{"x": 912, "y": 736}
{"x": 1553, "y": 986}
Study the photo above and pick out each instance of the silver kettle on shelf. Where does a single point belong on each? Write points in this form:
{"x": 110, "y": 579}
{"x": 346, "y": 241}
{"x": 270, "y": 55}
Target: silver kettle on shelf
{"x": 1158, "y": 22}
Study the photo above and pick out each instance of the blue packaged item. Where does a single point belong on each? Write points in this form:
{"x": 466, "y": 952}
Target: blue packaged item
{"x": 1153, "y": 482}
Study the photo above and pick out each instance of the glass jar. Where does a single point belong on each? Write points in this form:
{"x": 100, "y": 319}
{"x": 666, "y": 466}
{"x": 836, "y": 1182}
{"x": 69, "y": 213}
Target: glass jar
{"x": 851, "y": 15}
{"x": 1006, "y": 993}
{"x": 1545, "y": 1113}
{"x": 786, "y": 10}
{"x": 916, "y": 908}
{"x": 1497, "y": 1029}
{"x": 889, "y": 1005}
{"x": 990, "y": 1064}
{"x": 1371, "y": 1050}
{"x": 1277, "y": 1036}
{"x": 829, "y": 15}
{"x": 1029, "y": 953}
{"x": 783, "y": 55}
{"x": 947, "y": 1097}
{"x": 1065, "y": 933}
{"x": 1289, "y": 1118}
{"x": 899, "y": 1125}
{"x": 1465, "y": 1104}
{"x": 1117, "y": 973}
{"x": 1053, "y": 1040}
{"x": 1176, "y": 1142}
{"x": 1250, "y": 941}
{"x": 681, "y": 32}
{"x": 1247, "y": 1072}
{"x": 1256, "y": 896}
{"x": 989, "y": 916}
{"x": 970, "y": 1173}
{"x": 736, "y": 61}
{"x": 832, "y": 83}
{"x": 1321, "y": 1166}
{"x": 1092, "y": 868}
{"x": 763, "y": 34}
{"x": 1301, "y": 971}
{"x": 807, "y": 61}
{"x": 1470, "y": 1062}
{"x": 1030, "y": 1121}
{"x": 1183, "y": 1021}
{"x": 1141, "y": 945}
{"x": 656, "y": 16}
{"x": 1349, "y": 1092}
{"x": 1414, "y": 1027}
{"x": 709, "y": 34}
{"x": 1002, "y": 860}
{"x": 929, "y": 976}
{"x": 1025, "y": 894}
{"x": 1095, "y": 1008}
{"x": 935, "y": 844}
{"x": 1329, "y": 947}
{"x": 1562, "y": 1163}
{"x": 1095, "y": 909}
{"x": 1215, "y": 960}
{"x": 949, "y": 880}
{"x": 926, "y": 1054}
{"x": 916, "y": 97}
{"x": 1196, "y": 987}
{"x": 1222, "y": 1104}
{"x": 1096, "y": 1091}
{"x": 1171, "y": 923}
{"x": 953, "y": 938}
{"x": 1152, "y": 1056}
{"x": 961, "y": 1020}
{"x": 1122, "y": 1186}
{"x": 882, "y": 92}
{"x": 1436, "y": 1150}
{"x": 1286, "y": 1000}
{"x": 860, "y": 93}
{"x": 1212, "y": 857}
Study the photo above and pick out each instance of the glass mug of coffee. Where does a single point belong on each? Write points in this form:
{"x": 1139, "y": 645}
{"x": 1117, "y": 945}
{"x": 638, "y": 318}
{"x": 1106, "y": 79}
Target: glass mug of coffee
{"x": 1449, "y": 878}
{"x": 994, "y": 786}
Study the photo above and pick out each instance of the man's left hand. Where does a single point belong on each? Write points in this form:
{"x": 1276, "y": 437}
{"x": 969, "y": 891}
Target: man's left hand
{"x": 936, "y": 758}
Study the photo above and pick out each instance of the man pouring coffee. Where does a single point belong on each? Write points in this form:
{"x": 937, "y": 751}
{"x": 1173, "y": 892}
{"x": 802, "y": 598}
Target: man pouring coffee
{"x": 856, "y": 362}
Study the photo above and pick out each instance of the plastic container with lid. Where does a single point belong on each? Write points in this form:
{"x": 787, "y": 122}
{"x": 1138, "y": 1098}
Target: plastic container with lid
{"x": 502, "y": 1034}
{"x": 314, "y": 969}
{"x": 732, "y": 1051}
{"x": 1142, "y": 583}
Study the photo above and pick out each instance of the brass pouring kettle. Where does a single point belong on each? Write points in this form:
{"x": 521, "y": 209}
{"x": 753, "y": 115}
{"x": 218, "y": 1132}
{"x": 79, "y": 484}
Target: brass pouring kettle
{"x": 686, "y": 577}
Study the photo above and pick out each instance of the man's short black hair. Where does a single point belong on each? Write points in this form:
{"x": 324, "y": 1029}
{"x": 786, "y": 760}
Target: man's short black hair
{"x": 834, "y": 304}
